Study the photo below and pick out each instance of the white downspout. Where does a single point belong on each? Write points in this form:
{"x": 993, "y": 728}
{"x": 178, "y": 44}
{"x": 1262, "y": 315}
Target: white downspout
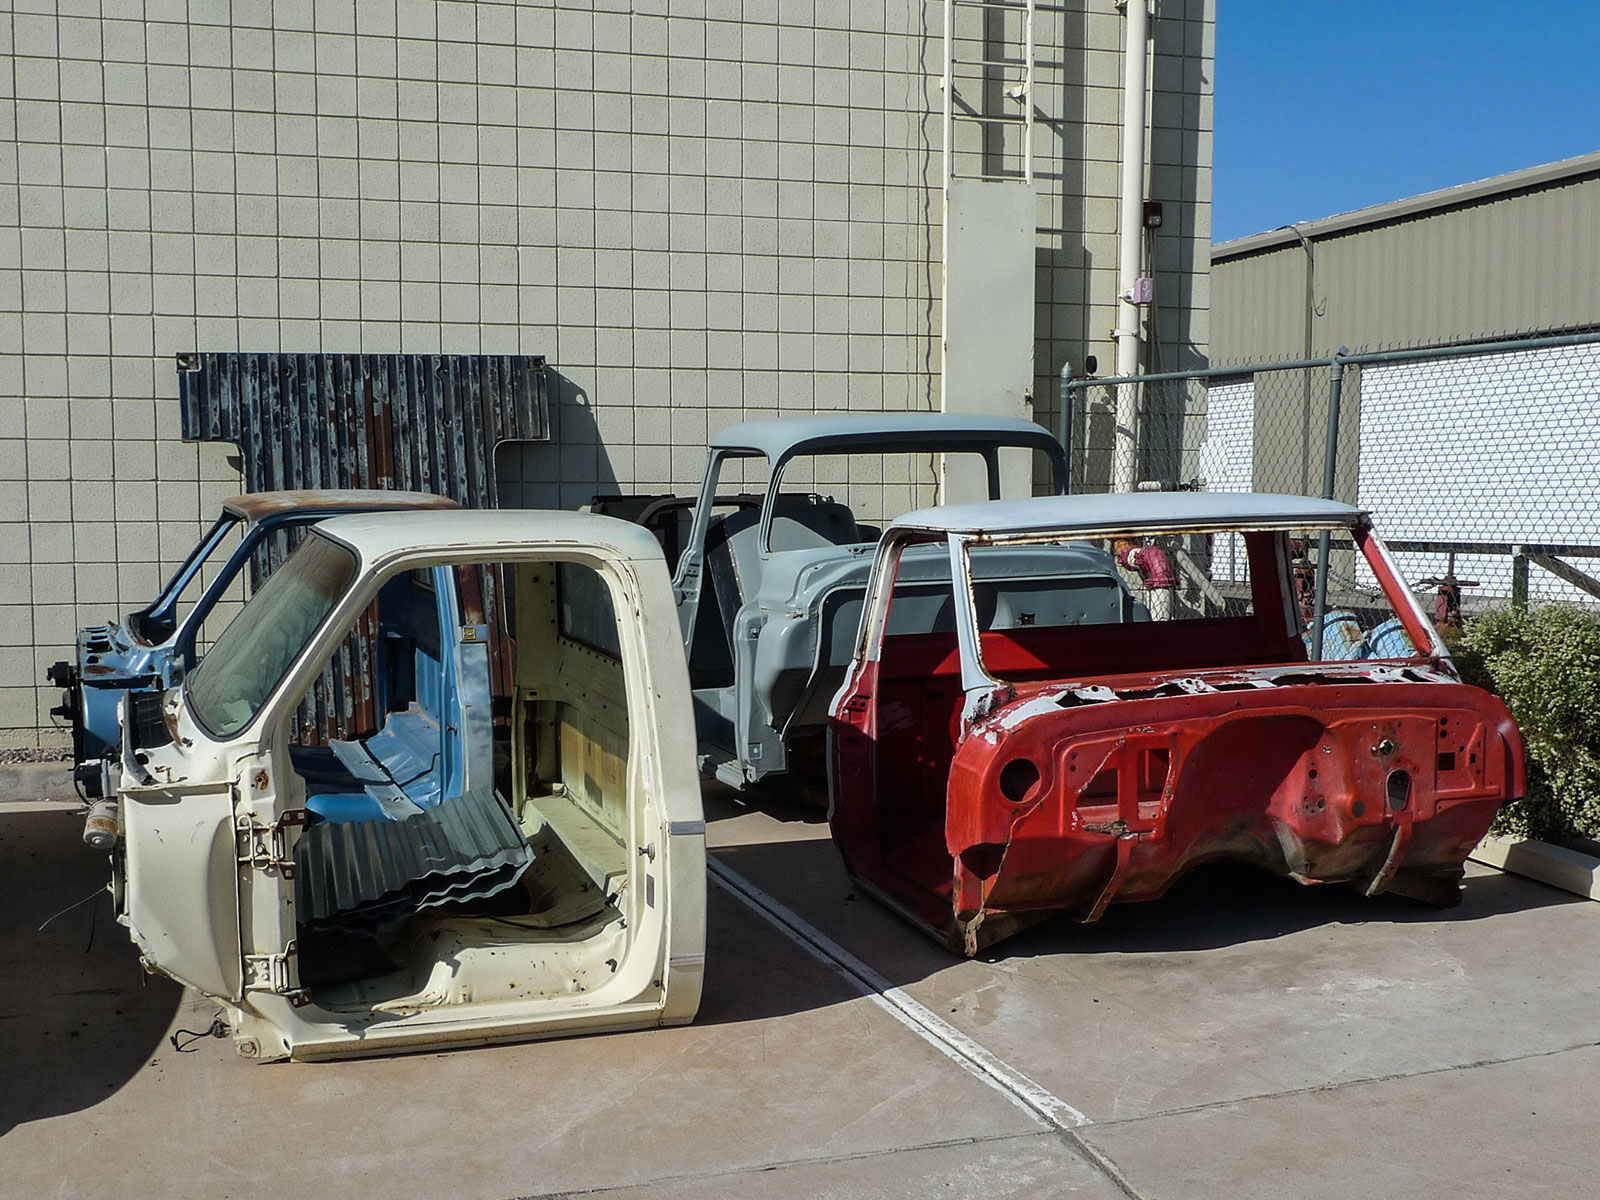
{"x": 1130, "y": 236}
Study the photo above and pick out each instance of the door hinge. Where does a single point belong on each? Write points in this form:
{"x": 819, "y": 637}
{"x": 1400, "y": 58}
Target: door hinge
{"x": 266, "y": 847}
{"x": 271, "y": 973}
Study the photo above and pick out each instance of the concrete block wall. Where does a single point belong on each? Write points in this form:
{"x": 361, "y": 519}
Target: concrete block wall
{"x": 700, "y": 212}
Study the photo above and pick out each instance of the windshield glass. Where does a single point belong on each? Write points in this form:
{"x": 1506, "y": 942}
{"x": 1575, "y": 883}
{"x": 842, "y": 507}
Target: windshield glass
{"x": 258, "y": 647}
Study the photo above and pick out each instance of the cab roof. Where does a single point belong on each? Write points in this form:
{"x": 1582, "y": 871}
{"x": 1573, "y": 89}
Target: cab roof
{"x": 1130, "y": 512}
{"x": 784, "y": 437}
{"x": 254, "y": 507}
{"x": 379, "y": 535}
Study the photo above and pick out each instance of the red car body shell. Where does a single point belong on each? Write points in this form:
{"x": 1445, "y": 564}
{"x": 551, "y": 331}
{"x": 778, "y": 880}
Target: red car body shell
{"x": 1068, "y": 794}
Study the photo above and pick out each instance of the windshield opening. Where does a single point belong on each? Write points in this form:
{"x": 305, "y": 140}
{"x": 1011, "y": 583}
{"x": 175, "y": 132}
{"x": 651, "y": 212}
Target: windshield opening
{"x": 254, "y": 653}
{"x": 157, "y": 621}
{"x": 850, "y": 498}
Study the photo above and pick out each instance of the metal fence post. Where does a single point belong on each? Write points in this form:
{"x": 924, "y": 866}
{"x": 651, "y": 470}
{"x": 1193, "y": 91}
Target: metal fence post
{"x": 1066, "y": 418}
{"x": 1330, "y": 459}
{"x": 1519, "y": 577}
{"x": 1125, "y": 450}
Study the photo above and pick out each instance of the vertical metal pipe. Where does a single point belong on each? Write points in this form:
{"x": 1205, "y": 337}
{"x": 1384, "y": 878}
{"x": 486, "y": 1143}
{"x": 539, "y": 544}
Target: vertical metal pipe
{"x": 1310, "y": 317}
{"x": 1330, "y": 450}
{"x": 1064, "y": 419}
{"x": 947, "y": 116}
{"x": 1519, "y": 577}
{"x": 1027, "y": 94}
{"x": 1330, "y": 459}
{"x": 1130, "y": 237}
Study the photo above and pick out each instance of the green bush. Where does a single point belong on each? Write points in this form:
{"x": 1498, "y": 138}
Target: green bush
{"x": 1545, "y": 664}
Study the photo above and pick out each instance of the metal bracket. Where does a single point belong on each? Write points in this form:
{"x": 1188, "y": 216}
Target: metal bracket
{"x": 266, "y": 847}
{"x": 270, "y": 973}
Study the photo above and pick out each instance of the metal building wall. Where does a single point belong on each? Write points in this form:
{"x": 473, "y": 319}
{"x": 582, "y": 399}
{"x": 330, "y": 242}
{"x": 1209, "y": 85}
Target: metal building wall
{"x": 1512, "y": 254}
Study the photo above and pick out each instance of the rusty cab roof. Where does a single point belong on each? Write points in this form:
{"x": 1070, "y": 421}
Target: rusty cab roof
{"x": 255, "y": 507}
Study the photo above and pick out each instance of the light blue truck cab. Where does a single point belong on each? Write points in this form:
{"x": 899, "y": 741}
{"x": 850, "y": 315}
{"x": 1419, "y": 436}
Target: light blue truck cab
{"x": 770, "y": 583}
{"x": 153, "y": 646}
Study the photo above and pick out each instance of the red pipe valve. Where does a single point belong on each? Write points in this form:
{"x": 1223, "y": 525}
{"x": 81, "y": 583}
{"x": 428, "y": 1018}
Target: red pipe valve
{"x": 1153, "y": 564}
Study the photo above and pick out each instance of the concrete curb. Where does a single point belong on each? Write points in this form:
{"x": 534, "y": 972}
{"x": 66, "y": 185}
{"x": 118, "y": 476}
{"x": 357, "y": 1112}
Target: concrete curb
{"x": 34, "y": 781}
{"x": 1570, "y": 870}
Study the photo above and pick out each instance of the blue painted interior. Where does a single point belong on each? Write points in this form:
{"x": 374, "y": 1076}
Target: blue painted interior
{"x": 419, "y": 758}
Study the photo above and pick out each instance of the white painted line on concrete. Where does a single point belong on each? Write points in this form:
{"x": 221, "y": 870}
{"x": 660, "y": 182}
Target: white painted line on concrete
{"x": 933, "y": 1029}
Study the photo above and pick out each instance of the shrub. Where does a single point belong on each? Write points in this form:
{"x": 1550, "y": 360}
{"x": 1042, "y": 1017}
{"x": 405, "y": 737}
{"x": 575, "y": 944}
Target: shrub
{"x": 1545, "y": 664}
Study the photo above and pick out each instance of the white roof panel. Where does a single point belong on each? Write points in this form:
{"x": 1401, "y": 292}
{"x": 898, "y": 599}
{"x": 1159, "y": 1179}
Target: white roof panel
{"x": 1131, "y": 511}
{"x": 376, "y": 536}
{"x": 783, "y": 436}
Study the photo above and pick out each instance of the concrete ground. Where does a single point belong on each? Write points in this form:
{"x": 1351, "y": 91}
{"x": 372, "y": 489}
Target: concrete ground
{"x": 1242, "y": 1037}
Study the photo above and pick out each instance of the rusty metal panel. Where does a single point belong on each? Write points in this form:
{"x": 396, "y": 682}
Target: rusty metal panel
{"x": 412, "y": 422}
{"x": 428, "y": 422}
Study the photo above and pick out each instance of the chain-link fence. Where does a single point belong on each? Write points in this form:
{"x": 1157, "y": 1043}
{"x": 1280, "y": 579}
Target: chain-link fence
{"x": 1480, "y": 463}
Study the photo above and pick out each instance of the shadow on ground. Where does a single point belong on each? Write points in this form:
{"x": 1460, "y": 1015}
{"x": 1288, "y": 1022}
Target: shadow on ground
{"x": 1214, "y": 906}
{"x": 787, "y": 803}
{"x": 1224, "y": 904}
{"x": 754, "y": 973}
{"x": 77, "y": 1019}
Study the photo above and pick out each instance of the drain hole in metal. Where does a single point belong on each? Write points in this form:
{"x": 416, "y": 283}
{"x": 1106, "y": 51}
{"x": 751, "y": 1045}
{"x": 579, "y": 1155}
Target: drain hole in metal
{"x": 1017, "y": 778}
{"x": 1399, "y": 789}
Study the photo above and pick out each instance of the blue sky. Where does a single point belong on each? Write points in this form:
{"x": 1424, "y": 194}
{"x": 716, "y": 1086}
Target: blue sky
{"x": 1326, "y": 107}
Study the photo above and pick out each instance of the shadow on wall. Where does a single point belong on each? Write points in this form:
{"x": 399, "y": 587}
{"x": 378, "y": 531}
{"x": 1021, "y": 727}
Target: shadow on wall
{"x": 1064, "y": 263}
{"x": 1175, "y": 327}
{"x": 567, "y": 471}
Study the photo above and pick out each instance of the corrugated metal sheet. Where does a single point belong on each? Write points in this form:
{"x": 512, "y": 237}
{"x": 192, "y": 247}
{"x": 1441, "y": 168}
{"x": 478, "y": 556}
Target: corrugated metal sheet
{"x": 360, "y": 875}
{"x": 413, "y": 422}
{"x": 423, "y": 422}
{"x": 1519, "y": 262}
{"x": 1258, "y": 302}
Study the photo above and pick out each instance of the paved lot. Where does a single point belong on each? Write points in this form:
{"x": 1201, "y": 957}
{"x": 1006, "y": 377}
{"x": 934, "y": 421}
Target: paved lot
{"x": 1242, "y": 1037}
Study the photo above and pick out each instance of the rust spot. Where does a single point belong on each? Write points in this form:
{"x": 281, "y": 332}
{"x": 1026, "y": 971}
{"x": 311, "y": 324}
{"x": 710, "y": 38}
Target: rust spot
{"x": 1115, "y": 828}
{"x": 255, "y": 506}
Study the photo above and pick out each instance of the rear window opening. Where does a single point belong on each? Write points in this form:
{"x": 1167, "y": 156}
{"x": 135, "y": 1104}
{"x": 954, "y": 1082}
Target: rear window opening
{"x": 1198, "y": 602}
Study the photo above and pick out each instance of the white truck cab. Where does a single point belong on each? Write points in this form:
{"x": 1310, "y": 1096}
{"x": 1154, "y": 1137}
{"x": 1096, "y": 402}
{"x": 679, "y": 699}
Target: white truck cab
{"x": 515, "y": 850}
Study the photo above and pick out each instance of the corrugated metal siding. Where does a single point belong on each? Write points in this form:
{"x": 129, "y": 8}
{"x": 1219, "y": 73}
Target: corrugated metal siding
{"x": 411, "y": 422}
{"x": 1508, "y": 264}
{"x": 423, "y": 422}
{"x": 1258, "y": 301}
